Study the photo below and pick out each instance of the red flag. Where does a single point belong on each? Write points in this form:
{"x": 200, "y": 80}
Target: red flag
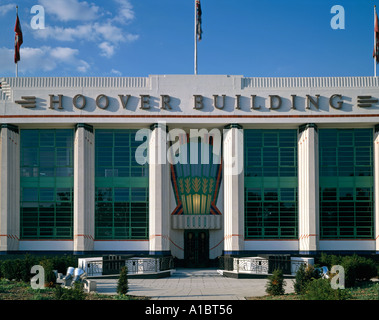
{"x": 18, "y": 40}
{"x": 376, "y": 48}
{"x": 199, "y": 31}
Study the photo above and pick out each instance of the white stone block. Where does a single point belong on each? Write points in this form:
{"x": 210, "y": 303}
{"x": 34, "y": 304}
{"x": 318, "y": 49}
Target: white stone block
{"x": 296, "y": 262}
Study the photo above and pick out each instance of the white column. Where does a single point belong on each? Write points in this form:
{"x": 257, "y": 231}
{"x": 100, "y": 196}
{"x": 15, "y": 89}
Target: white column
{"x": 376, "y": 187}
{"x": 9, "y": 188}
{"x": 84, "y": 188}
{"x": 233, "y": 172}
{"x": 159, "y": 191}
{"x": 308, "y": 189}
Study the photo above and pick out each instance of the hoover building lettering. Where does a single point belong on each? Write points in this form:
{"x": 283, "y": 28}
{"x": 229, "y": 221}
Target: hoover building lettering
{"x": 200, "y": 102}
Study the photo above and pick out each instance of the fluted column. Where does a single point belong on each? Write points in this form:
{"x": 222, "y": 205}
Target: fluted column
{"x": 9, "y": 188}
{"x": 159, "y": 191}
{"x": 84, "y": 189}
{"x": 376, "y": 183}
{"x": 308, "y": 189}
{"x": 233, "y": 189}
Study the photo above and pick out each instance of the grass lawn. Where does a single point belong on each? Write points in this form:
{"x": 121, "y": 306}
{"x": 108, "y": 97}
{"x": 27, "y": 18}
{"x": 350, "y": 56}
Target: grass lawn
{"x": 15, "y": 290}
{"x": 363, "y": 291}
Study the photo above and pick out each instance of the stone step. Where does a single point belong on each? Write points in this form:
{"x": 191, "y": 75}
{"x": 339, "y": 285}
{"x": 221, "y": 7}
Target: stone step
{"x": 184, "y": 272}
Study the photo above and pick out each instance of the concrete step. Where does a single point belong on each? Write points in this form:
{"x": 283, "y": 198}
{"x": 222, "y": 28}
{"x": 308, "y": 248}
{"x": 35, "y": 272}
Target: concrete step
{"x": 189, "y": 272}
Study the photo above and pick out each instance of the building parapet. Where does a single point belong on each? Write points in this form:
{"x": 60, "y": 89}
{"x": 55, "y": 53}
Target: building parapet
{"x": 310, "y": 82}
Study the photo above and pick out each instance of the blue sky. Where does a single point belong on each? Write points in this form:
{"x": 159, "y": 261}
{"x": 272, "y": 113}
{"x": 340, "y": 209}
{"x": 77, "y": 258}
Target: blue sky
{"x": 270, "y": 38}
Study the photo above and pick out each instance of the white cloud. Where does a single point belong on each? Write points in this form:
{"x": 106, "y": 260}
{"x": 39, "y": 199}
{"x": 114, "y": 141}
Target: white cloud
{"x": 109, "y": 32}
{"x": 45, "y": 59}
{"x": 125, "y": 13}
{"x": 33, "y": 59}
{"x": 107, "y": 49}
{"x": 71, "y": 10}
{"x": 73, "y": 22}
{"x": 97, "y": 32}
{"x": 4, "y": 9}
{"x": 63, "y": 54}
{"x": 82, "y": 66}
{"x": 131, "y": 37}
{"x": 82, "y": 32}
{"x": 116, "y": 72}
{"x": 107, "y": 35}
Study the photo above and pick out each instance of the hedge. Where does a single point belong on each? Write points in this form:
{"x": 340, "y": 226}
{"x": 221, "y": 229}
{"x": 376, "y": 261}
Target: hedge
{"x": 19, "y": 269}
{"x": 356, "y": 268}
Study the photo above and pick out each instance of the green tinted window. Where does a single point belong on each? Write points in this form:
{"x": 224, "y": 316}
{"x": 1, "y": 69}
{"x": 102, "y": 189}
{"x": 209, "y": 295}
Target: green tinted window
{"x": 270, "y": 184}
{"x": 121, "y": 187}
{"x": 346, "y": 183}
{"x": 46, "y": 184}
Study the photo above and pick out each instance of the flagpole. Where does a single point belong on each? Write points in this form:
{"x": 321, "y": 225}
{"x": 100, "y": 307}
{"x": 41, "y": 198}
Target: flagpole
{"x": 16, "y": 61}
{"x": 375, "y": 61}
{"x": 195, "y": 38}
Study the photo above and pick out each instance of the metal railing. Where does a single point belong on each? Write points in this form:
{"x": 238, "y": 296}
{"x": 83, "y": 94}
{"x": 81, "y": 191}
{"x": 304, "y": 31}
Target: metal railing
{"x": 149, "y": 264}
{"x": 94, "y": 268}
{"x": 282, "y": 262}
{"x": 111, "y": 265}
{"x": 256, "y": 265}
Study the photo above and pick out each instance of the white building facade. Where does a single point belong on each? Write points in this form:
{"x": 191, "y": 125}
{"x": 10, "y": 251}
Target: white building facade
{"x": 192, "y": 166}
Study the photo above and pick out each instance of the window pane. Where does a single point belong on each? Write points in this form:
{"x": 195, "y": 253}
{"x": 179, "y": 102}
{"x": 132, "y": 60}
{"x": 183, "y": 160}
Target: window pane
{"x": 116, "y": 194}
{"x": 270, "y": 157}
{"x": 345, "y": 209}
{"x": 46, "y": 209}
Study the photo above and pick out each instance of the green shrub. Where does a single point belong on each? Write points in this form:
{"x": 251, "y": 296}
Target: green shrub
{"x": 358, "y": 268}
{"x": 48, "y": 266}
{"x": 73, "y": 293}
{"x": 320, "y": 289}
{"x": 17, "y": 269}
{"x": 61, "y": 263}
{"x": 122, "y": 284}
{"x": 276, "y": 283}
{"x": 329, "y": 260}
{"x": 58, "y": 292}
{"x": 10, "y": 269}
{"x": 26, "y": 266}
{"x": 20, "y": 269}
{"x": 304, "y": 275}
{"x": 355, "y": 267}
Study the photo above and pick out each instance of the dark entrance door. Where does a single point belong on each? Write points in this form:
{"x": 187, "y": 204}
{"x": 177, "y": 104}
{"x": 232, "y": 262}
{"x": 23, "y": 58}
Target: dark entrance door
{"x": 196, "y": 248}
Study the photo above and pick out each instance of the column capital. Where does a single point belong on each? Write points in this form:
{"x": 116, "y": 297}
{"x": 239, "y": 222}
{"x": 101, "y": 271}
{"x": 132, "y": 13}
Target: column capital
{"x": 10, "y": 127}
{"x": 233, "y": 125}
{"x": 158, "y": 125}
{"x": 307, "y": 126}
{"x": 85, "y": 126}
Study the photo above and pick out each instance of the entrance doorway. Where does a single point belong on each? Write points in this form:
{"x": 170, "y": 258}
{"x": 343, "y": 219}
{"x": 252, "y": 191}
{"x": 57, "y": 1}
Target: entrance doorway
{"x": 196, "y": 248}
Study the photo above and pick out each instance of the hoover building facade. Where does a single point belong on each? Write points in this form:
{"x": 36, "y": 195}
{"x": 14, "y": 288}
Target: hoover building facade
{"x": 193, "y": 166}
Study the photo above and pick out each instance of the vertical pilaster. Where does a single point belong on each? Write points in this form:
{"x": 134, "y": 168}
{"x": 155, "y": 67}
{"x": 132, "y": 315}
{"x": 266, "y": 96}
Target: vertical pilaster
{"x": 234, "y": 220}
{"x": 308, "y": 189}
{"x": 159, "y": 191}
{"x": 84, "y": 188}
{"x": 9, "y": 188}
{"x": 376, "y": 187}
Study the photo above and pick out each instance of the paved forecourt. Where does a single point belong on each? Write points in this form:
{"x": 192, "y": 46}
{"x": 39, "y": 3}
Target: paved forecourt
{"x": 192, "y": 284}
